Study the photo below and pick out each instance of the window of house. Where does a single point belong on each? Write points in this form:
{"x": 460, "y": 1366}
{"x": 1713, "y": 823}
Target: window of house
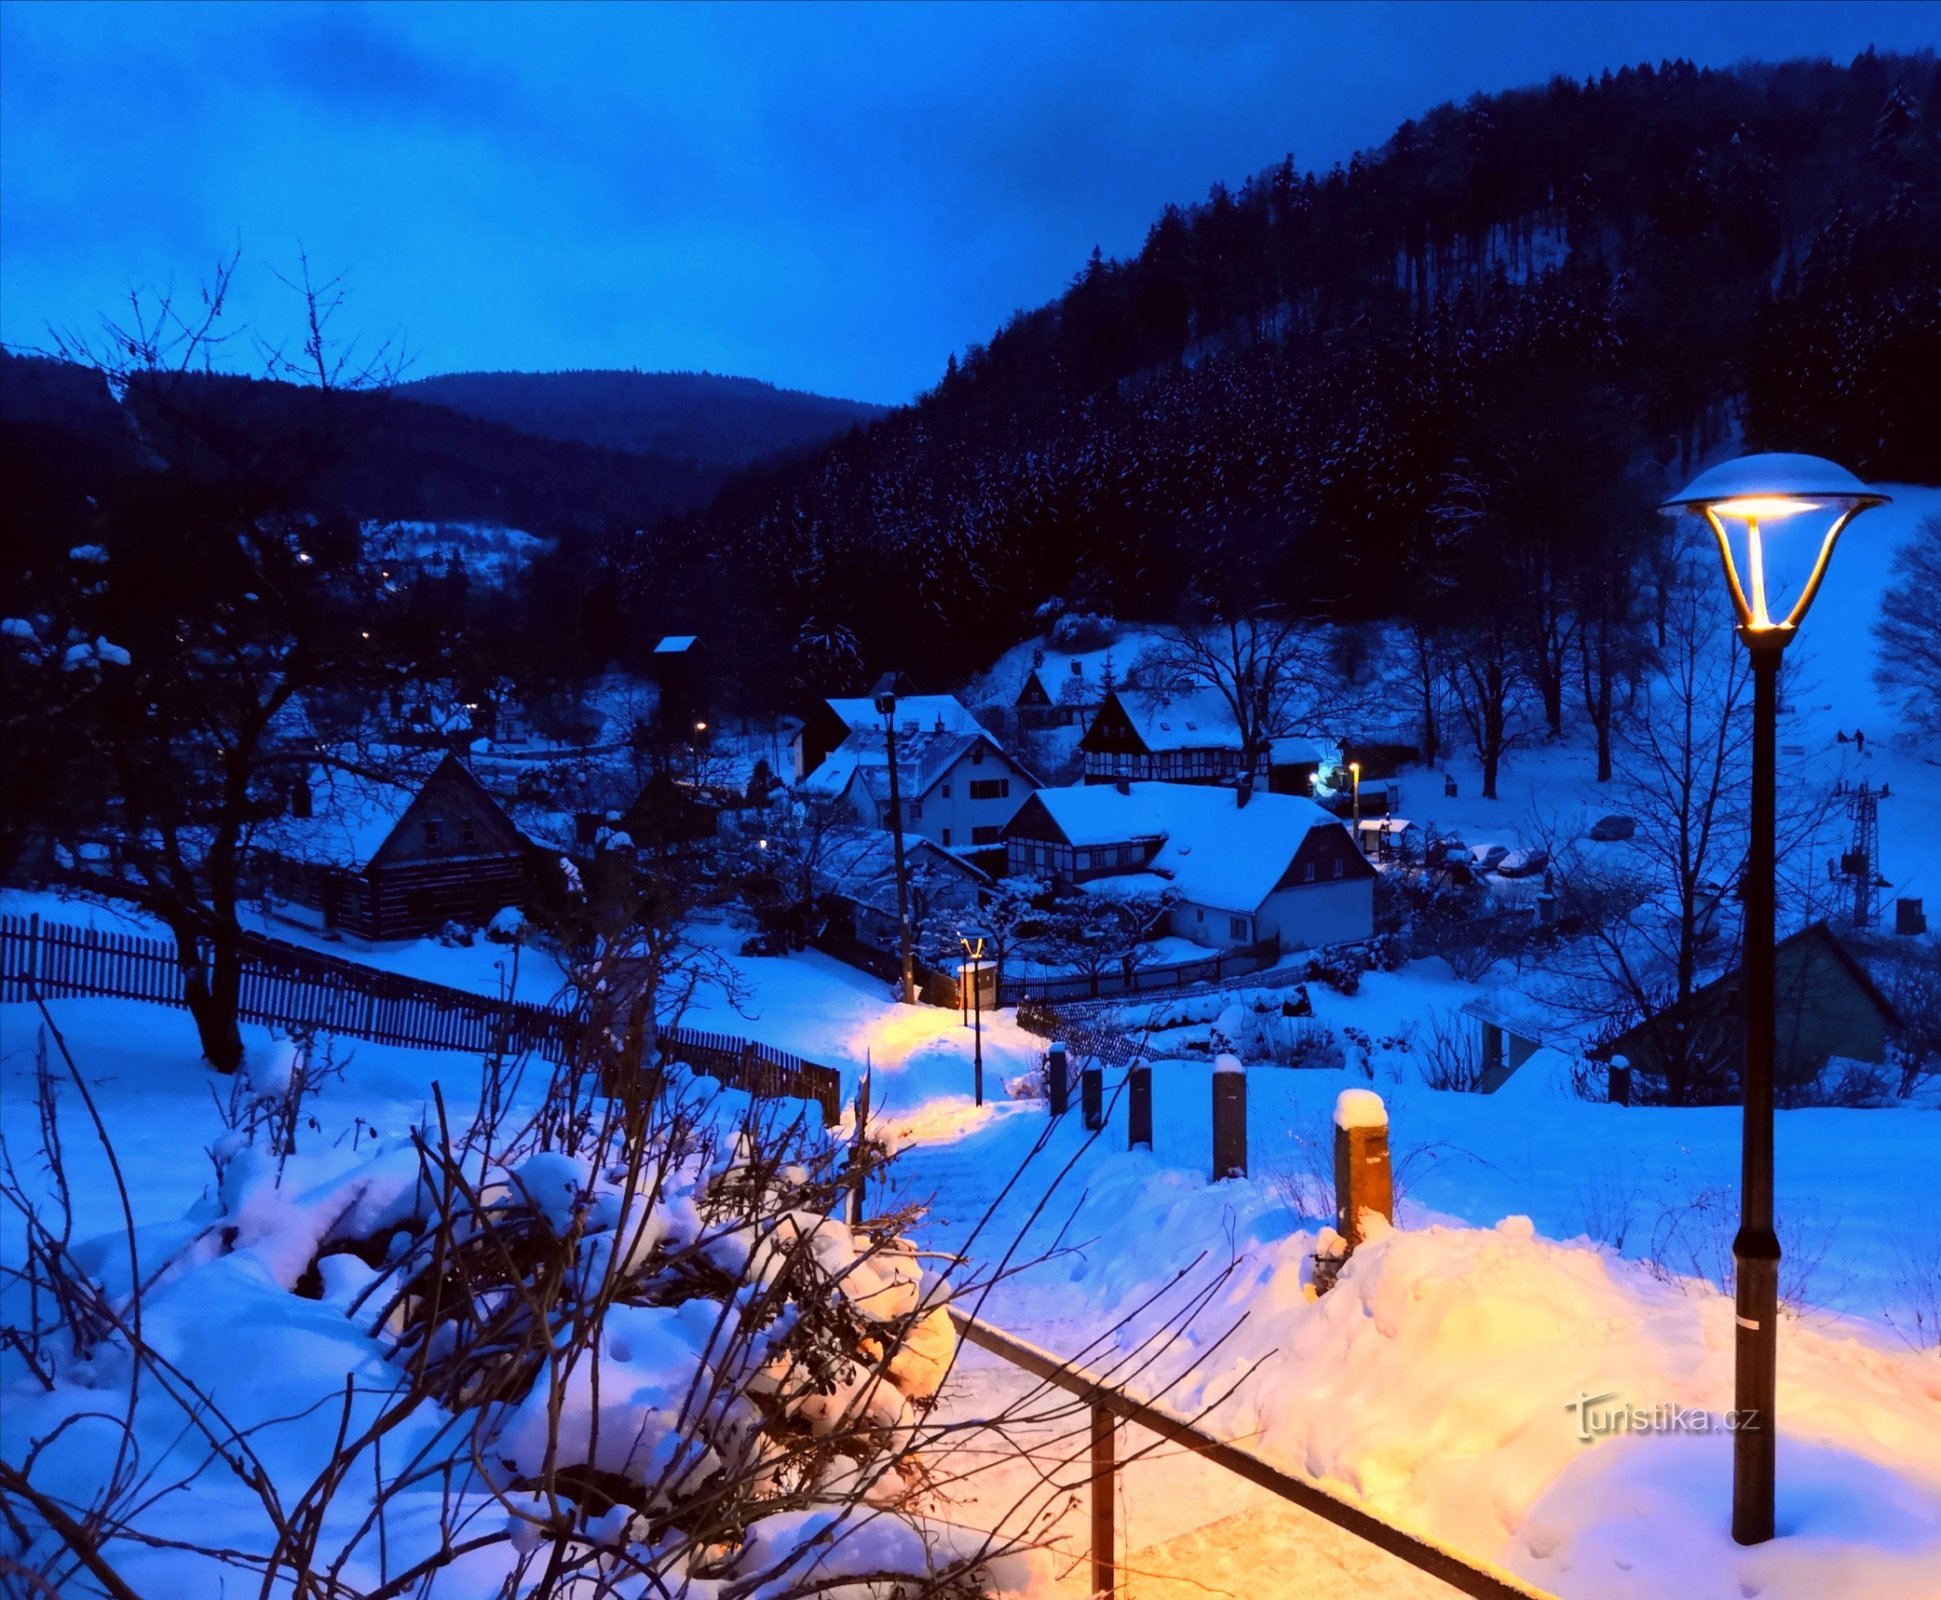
{"x": 946, "y": 791}
{"x": 1307, "y": 873}
{"x": 990, "y": 788}
{"x": 434, "y": 826}
{"x": 977, "y": 755}
{"x": 1340, "y": 867}
{"x": 987, "y": 835}
{"x": 1084, "y": 861}
{"x": 468, "y": 830}
{"x": 946, "y": 831}
{"x": 1199, "y": 914}
{"x": 1237, "y": 928}
{"x": 916, "y": 810}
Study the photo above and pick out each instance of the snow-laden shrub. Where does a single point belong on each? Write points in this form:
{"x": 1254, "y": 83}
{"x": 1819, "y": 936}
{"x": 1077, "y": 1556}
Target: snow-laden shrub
{"x": 508, "y": 926}
{"x": 673, "y": 1334}
{"x": 455, "y": 936}
{"x": 1083, "y": 630}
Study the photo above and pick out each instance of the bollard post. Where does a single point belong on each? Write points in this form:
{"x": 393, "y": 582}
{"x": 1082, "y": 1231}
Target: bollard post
{"x": 858, "y": 1171}
{"x": 1363, "y": 1182}
{"x": 1057, "y": 1083}
{"x": 1091, "y": 1083}
{"x": 1620, "y": 1090}
{"x": 1229, "y": 1118}
{"x": 1139, "y": 1106}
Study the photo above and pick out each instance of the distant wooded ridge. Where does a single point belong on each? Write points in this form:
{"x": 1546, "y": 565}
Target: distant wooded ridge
{"x": 701, "y": 418}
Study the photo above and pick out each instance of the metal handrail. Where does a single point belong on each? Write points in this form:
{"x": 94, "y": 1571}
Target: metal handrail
{"x": 1463, "y": 1573}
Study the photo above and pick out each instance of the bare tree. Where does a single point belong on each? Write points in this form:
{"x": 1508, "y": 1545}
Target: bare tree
{"x": 1909, "y": 651}
{"x": 1657, "y": 913}
{"x": 176, "y": 646}
{"x": 1273, "y": 675}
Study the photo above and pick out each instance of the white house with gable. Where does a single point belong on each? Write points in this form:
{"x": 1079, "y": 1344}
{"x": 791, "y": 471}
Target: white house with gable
{"x": 1248, "y": 868}
{"x": 957, "y": 789}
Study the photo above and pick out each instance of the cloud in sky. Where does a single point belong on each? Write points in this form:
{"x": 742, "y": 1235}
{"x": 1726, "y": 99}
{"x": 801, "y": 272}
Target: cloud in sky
{"x": 829, "y": 196}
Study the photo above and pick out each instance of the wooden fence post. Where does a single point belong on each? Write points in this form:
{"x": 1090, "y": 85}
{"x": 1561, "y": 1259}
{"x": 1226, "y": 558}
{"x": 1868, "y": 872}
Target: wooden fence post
{"x": 1229, "y": 1118}
{"x": 1363, "y": 1182}
{"x": 1139, "y": 1106}
{"x": 1091, "y": 1084}
{"x": 1104, "y": 1539}
{"x": 1058, "y": 1084}
{"x": 1620, "y": 1086}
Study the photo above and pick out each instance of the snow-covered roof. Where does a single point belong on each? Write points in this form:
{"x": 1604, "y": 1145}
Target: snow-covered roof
{"x": 1294, "y": 749}
{"x": 861, "y": 864}
{"x": 1216, "y": 851}
{"x": 1181, "y": 719}
{"x": 923, "y": 760}
{"x": 675, "y": 643}
{"x": 925, "y": 710}
{"x": 352, "y": 814}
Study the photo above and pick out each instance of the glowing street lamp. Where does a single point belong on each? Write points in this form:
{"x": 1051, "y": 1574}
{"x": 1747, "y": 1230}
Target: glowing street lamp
{"x": 973, "y": 974}
{"x": 1735, "y": 499}
{"x": 1354, "y": 773}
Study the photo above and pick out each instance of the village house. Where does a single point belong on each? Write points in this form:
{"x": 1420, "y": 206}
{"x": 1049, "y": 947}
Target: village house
{"x": 957, "y": 789}
{"x": 830, "y": 722}
{"x": 858, "y": 869}
{"x": 1188, "y": 735}
{"x": 1057, "y": 699}
{"x": 388, "y": 859}
{"x": 1248, "y": 868}
{"x": 1826, "y": 1007}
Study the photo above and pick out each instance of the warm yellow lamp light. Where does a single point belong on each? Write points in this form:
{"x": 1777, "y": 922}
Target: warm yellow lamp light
{"x": 1768, "y": 488}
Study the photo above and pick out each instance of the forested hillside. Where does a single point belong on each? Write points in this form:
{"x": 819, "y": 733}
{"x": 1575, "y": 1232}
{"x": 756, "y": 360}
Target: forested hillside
{"x": 1458, "y": 368}
{"x": 371, "y": 454}
{"x": 697, "y": 417}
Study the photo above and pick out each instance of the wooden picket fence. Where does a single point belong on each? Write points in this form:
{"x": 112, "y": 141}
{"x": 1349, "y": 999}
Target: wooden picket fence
{"x": 293, "y": 987}
{"x": 759, "y": 1069}
{"x": 283, "y": 984}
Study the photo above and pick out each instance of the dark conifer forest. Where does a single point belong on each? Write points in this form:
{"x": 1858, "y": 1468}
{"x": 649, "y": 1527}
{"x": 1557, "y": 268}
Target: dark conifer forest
{"x": 1471, "y": 357}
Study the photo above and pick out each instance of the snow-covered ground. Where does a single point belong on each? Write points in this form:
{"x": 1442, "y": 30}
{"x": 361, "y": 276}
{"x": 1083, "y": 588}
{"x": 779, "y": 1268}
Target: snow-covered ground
{"x": 1549, "y": 1266}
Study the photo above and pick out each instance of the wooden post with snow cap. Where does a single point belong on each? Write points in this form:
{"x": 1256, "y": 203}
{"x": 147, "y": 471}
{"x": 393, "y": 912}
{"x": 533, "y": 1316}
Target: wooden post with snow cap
{"x": 1058, "y": 1084}
{"x": 1229, "y": 1118}
{"x": 1363, "y": 1182}
{"x": 1091, "y": 1091}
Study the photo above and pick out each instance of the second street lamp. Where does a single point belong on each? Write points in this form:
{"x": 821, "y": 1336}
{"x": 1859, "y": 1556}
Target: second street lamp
{"x": 973, "y": 971}
{"x": 1735, "y": 499}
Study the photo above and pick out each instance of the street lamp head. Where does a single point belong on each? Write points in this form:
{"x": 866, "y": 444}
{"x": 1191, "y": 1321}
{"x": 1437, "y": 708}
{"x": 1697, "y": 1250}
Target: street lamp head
{"x": 885, "y": 704}
{"x": 1735, "y": 497}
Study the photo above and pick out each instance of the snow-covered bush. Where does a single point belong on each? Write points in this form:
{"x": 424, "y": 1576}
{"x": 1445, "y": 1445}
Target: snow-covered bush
{"x": 632, "y": 1348}
{"x": 1083, "y": 630}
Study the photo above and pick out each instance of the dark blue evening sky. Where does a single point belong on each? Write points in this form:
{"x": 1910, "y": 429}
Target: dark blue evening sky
{"x": 831, "y": 197}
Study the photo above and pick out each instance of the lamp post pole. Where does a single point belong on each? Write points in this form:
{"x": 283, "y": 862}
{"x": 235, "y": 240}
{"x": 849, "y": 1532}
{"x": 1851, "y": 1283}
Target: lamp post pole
{"x": 886, "y": 705}
{"x": 1755, "y": 1248}
{"x": 1742, "y": 494}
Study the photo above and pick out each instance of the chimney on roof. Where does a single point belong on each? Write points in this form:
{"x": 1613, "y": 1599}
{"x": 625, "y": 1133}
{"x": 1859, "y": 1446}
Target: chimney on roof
{"x": 940, "y": 722}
